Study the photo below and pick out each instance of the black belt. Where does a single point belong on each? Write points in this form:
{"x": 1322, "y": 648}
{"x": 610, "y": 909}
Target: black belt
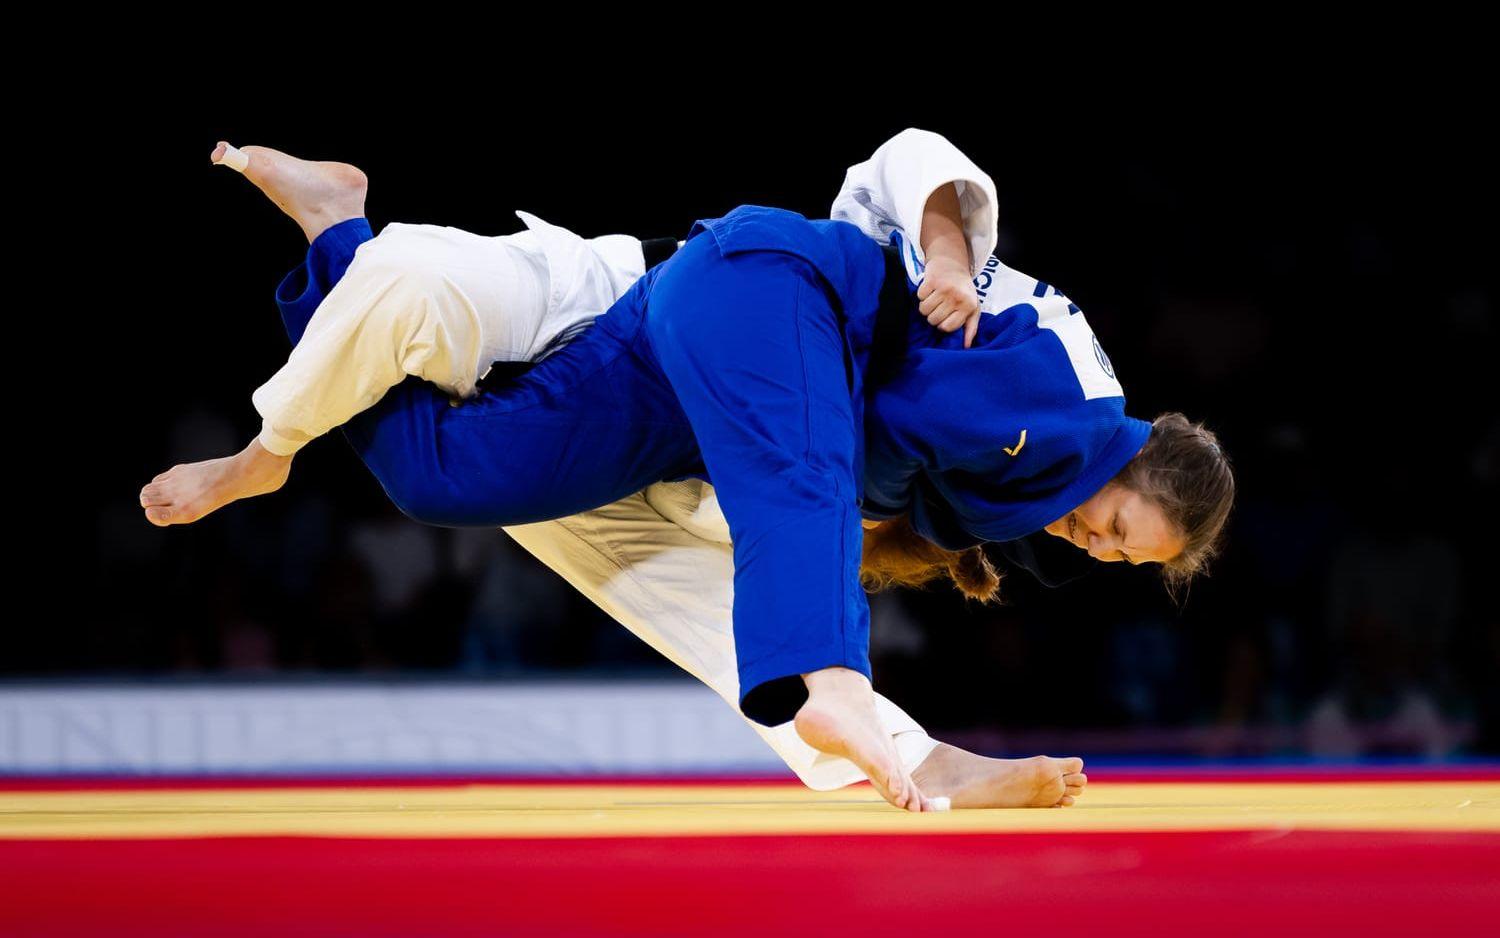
{"x": 656, "y": 250}
{"x": 892, "y": 317}
{"x": 892, "y": 321}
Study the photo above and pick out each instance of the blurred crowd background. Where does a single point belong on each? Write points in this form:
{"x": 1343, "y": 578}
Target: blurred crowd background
{"x": 1318, "y": 286}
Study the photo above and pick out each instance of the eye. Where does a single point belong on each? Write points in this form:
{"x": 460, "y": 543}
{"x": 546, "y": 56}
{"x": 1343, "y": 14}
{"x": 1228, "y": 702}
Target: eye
{"x": 1121, "y": 535}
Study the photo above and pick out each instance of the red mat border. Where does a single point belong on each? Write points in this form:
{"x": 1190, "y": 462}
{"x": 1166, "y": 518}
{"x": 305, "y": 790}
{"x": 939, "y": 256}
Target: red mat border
{"x": 1160, "y": 884}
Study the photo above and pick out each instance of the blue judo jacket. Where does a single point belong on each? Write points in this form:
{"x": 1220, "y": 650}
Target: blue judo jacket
{"x": 943, "y": 436}
{"x": 992, "y": 442}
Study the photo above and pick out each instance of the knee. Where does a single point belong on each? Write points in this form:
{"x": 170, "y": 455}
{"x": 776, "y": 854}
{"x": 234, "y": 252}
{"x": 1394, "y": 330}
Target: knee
{"x": 398, "y": 275}
{"x": 428, "y": 506}
{"x": 444, "y": 503}
{"x": 400, "y": 263}
{"x": 432, "y": 462}
{"x": 403, "y": 303}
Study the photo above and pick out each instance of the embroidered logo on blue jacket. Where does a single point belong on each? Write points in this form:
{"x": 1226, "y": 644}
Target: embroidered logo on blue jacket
{"x": 1103, "y": 358}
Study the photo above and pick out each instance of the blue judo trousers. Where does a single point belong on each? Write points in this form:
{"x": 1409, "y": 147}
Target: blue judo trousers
{"x": 739, "y": 361}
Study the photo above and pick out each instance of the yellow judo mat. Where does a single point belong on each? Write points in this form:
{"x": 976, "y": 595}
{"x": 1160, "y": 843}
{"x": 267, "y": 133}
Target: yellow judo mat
{"x": 632, "y": 810}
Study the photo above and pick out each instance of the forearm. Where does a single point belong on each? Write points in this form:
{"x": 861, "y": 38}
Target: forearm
{"x": 891, "y": 190}
{"x": 943, "y": 236}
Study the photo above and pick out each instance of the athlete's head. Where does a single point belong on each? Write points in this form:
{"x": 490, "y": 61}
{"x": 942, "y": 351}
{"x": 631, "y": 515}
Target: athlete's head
{"x": 1167, "y": 506}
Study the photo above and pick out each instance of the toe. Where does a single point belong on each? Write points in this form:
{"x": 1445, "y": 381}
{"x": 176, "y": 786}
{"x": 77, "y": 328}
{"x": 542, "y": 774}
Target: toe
{"x": 153, "y": 496}
{"x": 161, "y": 517}
{"x": 1066, "y": 801}
{"x": 1070, "y": 766}
{"x": 1077, "y": 780}
{"x": 889, "y": 787}
{"x": 918, "y": 800}
{"x": 906, "y": 796}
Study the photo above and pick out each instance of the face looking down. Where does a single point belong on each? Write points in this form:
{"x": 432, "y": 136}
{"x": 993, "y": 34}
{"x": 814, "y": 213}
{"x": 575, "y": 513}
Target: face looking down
{"x": 1117, "y": 524}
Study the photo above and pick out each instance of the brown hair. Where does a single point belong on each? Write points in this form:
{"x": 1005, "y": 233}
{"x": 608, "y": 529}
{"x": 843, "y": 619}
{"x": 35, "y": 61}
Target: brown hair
{"x": 896, "y": 555}
{"x": 1184, "y": 471}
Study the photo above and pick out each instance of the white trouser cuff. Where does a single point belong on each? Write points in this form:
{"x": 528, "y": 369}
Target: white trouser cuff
{"x": 276, "y": 444}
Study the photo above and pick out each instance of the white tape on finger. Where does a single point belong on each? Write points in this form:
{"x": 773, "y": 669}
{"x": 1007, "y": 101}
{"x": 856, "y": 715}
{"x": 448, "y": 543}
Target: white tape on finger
{"x": 235, "y": 159}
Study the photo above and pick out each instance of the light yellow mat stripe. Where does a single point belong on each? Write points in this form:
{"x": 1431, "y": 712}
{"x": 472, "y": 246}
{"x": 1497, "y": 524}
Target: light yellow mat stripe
{"x": 630, "y": 810}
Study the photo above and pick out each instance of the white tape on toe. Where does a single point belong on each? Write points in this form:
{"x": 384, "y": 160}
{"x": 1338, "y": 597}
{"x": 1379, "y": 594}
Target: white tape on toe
{"x": 235, "y": 159}
{"x": 940, "y": 803}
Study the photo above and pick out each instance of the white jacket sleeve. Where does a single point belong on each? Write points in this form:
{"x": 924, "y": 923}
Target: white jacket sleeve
{"x": 889, "y": 191}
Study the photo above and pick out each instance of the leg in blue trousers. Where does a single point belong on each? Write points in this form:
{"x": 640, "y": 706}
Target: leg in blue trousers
{"x": 753, "y": 349}
{"x": 578, "y": 431}
{"x": 586, "y": 427}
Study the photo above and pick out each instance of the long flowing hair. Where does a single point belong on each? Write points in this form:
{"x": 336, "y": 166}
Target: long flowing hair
{"x": 896, "y": 555}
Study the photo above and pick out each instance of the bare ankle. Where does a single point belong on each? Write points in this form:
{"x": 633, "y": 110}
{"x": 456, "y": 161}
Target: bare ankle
{"x": 315, "y": 224}
{"x": 836, "y": 679}
{"x": 257, "y": 462}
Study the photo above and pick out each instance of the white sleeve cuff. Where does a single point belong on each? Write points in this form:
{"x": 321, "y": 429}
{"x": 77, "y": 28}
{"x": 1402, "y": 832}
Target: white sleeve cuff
{"x": 889, "y": 192}
{"x": 276, "y": 444}
{"x": 976, "y": 206}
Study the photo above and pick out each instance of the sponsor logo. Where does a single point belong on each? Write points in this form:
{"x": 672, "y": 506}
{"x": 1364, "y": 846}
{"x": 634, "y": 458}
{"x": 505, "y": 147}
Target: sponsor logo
{"x": 986, "y": 277}
{"x": 1104, "y": 363}
{"x": 1013, "y": 450}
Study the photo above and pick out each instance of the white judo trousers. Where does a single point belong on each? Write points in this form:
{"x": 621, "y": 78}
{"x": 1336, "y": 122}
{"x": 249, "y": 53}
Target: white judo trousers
{"x": 442, "y": 304}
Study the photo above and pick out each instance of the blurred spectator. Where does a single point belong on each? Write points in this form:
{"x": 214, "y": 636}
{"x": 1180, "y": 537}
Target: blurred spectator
{"x": 1392, "y": 601}
{"x": 518, "y": 605}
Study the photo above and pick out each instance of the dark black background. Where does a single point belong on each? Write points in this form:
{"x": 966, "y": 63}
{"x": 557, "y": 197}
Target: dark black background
{"x": 1305, "y": 264}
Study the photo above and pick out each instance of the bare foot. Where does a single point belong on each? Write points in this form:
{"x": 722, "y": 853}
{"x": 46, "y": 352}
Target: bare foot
{"x": 978, "y": 782}
{"x": 317, "y": 195}
{"x": 839, "y": 718}
{"x": 185, "y": 493}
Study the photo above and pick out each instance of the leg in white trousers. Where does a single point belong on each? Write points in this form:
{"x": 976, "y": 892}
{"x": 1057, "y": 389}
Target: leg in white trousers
{"x": 675, "y": 590}
{"x": 441, "y": 303}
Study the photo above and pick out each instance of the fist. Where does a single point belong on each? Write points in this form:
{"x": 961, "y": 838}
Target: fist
{"x": 947, "y": 298}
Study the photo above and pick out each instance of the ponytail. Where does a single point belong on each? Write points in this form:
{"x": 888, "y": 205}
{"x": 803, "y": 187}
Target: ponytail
{"x": 896, "y": 555}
